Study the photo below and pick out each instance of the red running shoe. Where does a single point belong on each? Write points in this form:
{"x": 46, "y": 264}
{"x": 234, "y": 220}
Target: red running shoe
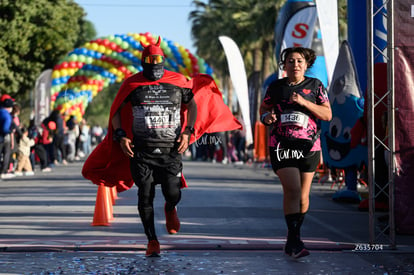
{"x": 153, "y": 249}
{"x": 171, "y": 221}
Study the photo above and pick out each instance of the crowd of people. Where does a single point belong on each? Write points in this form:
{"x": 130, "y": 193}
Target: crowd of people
{"x": 26, "y": 148}
{"x": 223, "y": 147}
{"x": 56, "y": 141}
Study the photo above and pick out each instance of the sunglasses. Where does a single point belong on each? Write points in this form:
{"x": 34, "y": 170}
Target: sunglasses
{"x": 154, "y": 59}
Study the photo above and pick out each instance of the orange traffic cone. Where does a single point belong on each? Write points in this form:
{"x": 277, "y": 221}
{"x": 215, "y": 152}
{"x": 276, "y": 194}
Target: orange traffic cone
{"x": 114, "y": 194}
{"x": 103, "y": 207}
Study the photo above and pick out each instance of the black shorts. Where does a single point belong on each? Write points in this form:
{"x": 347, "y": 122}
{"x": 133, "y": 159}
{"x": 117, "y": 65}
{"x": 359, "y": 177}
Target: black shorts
{"x": 307, "y": 163}
{"x": 148, "y": 168}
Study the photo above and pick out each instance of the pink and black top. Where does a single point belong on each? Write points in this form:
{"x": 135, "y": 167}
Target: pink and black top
{"x": 293, "y": 120}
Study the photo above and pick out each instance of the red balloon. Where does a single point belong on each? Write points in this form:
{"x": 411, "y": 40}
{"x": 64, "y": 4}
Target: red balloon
{"x": 113, "y": 46}
{"x": 72, "y": 64}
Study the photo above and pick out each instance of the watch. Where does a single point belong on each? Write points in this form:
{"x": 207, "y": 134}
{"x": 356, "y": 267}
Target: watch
{"x": 119, "y": 133}
{"x": 190, "y": 129}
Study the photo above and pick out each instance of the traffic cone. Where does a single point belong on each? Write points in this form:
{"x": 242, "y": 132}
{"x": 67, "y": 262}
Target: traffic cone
{"x": 103, "y": 207}
{"x": 114, "y": 194}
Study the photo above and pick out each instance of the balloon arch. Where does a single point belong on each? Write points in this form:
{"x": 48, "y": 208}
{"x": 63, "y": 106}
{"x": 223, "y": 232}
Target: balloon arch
{"x": 85, "y": 71}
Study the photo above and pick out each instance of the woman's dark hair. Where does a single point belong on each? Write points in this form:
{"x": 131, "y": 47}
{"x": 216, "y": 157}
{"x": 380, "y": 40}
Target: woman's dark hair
{"x": 307, "y": 53}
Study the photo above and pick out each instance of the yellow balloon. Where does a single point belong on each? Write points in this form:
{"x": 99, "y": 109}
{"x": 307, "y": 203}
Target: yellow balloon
{"x": 136, "y": 36}
{"x": 136, "y": 53}
{"x": 55, "y": 74}
{"x": 64, "y": 72}
{"x": 143, "y": 40}
{"x": 113, "y": 70}
{"x": 181, "y": 49}
{"x": 108, "y": 51}
{"x": 101, "y": 49}
{"x": 187, "y": 62}
{"x": 94, "y": 46}
{"x": 71, "y": 71}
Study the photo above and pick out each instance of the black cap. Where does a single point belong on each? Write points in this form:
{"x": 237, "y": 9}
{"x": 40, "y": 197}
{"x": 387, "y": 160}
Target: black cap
{"x": 7, "y": 103}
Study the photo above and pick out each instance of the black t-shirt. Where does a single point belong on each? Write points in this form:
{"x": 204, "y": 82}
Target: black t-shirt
{"x": 157, "y": 113}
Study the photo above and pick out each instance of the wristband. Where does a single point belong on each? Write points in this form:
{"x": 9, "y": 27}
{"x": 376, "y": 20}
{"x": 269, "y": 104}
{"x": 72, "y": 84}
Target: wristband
{"x": 190, "y": 129}
{"x": 262, "y": 117}
{"x": 119, "y": 134}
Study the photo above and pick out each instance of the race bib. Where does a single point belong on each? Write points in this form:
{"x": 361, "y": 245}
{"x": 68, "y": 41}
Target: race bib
{"x": 163, "y": 121}
{"x": 294, "y": 118}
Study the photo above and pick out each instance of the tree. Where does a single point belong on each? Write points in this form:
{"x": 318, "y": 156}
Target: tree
{"x": 248, "y": 22}
{"x": 34, "y": 36}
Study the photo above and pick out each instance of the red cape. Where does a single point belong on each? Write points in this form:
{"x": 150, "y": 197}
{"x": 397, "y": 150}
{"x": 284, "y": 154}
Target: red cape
{"x": 107, "y": 165}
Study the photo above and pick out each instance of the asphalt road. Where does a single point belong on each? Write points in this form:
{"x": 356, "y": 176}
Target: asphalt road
{"x": 231, "y": 222}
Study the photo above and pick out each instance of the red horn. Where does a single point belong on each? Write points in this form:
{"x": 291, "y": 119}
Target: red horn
{"x": 142, "y": 44}
{"x": 158, "y": 42}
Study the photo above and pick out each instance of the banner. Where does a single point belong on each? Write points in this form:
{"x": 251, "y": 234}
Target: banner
{"x": 239, "y": 80}
{"x": 328, "y": 23}
{"x": 42, "y": 96}
{"x": 295, "y": 26}
{"x": 404, "y": 115}
{"x": 357, "y": 35}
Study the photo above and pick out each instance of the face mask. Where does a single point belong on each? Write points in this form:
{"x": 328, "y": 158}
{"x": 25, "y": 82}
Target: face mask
{"x": 153, "y": 71}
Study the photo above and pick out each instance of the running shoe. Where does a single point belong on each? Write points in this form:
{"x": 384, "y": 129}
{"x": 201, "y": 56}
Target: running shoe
{"x": 153, "y": 249}
{"x": 171, "y": 221}
{"x": 300, "y": 251}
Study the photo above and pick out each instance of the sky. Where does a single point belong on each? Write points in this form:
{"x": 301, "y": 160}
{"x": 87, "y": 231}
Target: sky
{"x": 168, "y": 18}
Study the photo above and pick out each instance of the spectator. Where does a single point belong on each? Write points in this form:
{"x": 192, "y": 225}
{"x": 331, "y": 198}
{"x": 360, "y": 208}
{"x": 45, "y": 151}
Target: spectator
{"x": 23, "y": 154}
{"x": 231, "y": 150}
{"x": 58, "y": 138}
{"x": 72, "y": 134}
{"x": 15, "y": 135}
{"x": 5, "y": 136}
{"x": 85, "y": 138}
{"x": 47, "y": 129}
{"x": 97, "y": 135}
{"x": 239, "y": 140}
{"x": 38, "y": 149}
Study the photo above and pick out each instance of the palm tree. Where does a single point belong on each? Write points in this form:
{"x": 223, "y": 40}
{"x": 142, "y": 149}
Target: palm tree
{"x": 250, "y": 23}
{"x": 209, "y": 21}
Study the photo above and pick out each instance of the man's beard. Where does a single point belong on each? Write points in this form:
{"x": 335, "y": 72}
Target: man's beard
{"x": 153, "y": 71}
